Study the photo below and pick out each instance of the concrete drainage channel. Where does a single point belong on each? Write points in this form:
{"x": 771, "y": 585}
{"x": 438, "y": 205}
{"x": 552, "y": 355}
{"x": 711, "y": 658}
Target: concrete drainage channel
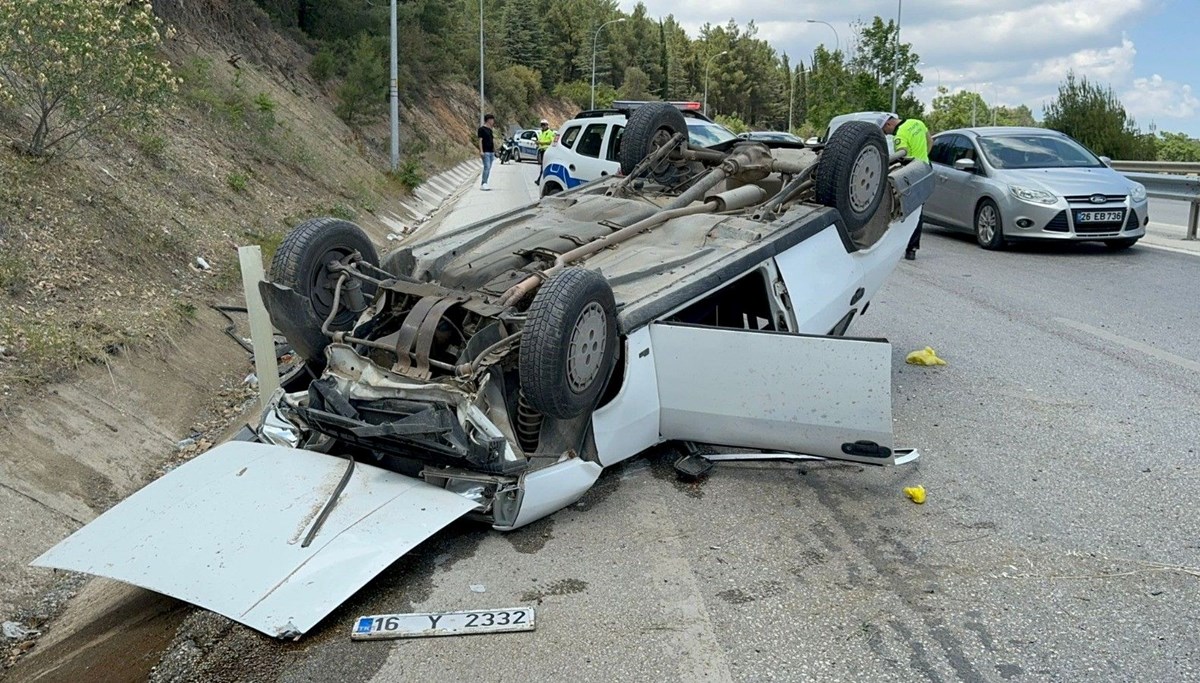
{"x": 430, "y": 197}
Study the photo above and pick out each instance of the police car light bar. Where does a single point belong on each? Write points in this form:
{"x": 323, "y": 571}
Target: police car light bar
{"x": 631, "y": 104}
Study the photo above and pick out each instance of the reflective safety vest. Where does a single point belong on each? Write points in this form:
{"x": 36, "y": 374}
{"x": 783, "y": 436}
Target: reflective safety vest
{"x": 911, "y": 135}
{"x": 545, "y": 138}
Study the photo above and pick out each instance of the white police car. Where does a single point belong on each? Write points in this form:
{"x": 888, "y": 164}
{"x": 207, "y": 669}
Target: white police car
{"x": 586, "y": 147}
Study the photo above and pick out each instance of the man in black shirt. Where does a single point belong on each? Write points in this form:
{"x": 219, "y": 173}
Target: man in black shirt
{"x": 487, "y": 147}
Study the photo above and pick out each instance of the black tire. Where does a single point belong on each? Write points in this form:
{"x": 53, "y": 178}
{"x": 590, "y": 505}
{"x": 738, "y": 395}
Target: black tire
{"x": 1124, "y": 243}
{"x": 301, "y": 263}
{"x": 989, "y": 236}
{"x": 549, "y": 188}
{"x": 649, "y": 127}
{"x": 569, "y": 343}
{"x": 517, "y": 155}
{"x": 852, "y": 172}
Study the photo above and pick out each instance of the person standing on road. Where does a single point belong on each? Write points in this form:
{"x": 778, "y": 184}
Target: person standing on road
{"x": 911, "y": 135}
{"x": 545, "y": 138}
{"x": 487, "y": 148}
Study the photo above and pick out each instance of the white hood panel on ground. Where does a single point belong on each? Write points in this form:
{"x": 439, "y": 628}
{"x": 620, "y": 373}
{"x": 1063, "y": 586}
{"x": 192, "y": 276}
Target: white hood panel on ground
{"x": 224, "y": 532}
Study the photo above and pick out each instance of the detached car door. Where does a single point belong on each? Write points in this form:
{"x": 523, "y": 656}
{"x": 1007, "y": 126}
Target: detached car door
{"x": 780, "y": 391}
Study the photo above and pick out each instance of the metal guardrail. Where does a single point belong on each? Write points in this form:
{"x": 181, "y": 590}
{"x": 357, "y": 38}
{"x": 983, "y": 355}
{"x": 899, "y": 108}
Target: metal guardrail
{"x": 1178, "y": 180}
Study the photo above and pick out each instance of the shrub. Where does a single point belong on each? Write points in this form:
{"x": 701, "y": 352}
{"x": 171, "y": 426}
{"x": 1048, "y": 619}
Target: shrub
{"x": 237, "y": 181}
{"x": 74, "y": 64}
{"x": 323, "y": 65}
{"x": 264, "y": 103}
{"x": 408, "y": 174}
{"x": 732, "y": 122}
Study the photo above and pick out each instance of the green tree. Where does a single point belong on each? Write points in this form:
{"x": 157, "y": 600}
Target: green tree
{"x": 1093, "y": 115}
{"x": 1014, "y": 116}
{"x": 829, "y": 91}
{"x": 362, "y": 92}
{"x": 523, "y": 37}
{"x": 636, "y": 85}
{"x": 1178, "y": 147}
{"x": 878, "y": 64}
{"x": 71, "y": 65}
{"x": 957, "y": 110}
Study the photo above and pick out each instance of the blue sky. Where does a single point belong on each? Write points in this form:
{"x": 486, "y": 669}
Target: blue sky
{"x": 1010, "y": 51}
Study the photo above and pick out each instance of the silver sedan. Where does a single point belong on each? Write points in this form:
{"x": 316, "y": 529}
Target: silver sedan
{"x": 1008, "y": 183}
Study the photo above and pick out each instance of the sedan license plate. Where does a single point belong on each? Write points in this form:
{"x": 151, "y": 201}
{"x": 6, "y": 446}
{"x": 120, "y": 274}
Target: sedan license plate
{"x": 384, "y": 626}
{"x": 1099, "y": 216}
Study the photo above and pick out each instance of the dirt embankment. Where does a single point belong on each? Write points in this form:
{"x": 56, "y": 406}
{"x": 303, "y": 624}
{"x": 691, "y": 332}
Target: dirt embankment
{"x": 113, "y": 366}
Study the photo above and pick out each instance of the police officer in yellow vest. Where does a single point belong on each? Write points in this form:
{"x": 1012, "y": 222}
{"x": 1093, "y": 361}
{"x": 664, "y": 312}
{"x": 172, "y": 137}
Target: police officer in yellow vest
{"x": 911, "y": 135}
{"x": 545, "y": 138}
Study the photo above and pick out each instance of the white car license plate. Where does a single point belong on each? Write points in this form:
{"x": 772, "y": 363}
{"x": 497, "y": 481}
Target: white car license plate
{"x": 382, "y": 626}
{"x": 1099, "y": 216}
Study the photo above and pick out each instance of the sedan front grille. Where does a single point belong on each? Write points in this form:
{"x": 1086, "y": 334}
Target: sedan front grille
{"x": 1097, "y": 228}
{"x": 1058, "y": 223}
{"x": 1087, "y": 198}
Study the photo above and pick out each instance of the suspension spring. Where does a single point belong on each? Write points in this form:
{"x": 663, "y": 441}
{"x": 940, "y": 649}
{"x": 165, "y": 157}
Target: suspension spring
{"x": 529, "y": 424}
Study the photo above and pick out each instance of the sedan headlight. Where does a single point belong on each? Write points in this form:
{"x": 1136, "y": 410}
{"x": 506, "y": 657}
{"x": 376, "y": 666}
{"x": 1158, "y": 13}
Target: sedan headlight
{"x": 1029, "y": 194}
{"x": 1138, "y": 192}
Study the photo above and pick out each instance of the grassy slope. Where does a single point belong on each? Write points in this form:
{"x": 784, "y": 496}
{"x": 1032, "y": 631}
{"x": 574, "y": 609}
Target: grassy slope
{"x": 98, "y": 251}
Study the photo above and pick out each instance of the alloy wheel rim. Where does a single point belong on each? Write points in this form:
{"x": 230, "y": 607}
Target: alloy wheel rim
{"x": 987, "y": 224}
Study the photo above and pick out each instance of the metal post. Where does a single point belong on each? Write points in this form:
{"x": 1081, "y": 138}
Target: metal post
{"x": 791, "y": 94}
{"x": 1193, "y": 219}
{"x": 706, "y": 65}
{"x": 481, "y": 62}
{"x": 594, "y": 39}
{"x": 896, "y": 54}
{"x": 394, "y": 95}
{"x": 837, "y": 41}
{"x": 262, "y": 336}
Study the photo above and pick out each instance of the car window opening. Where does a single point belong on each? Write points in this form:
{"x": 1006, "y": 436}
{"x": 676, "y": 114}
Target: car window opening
{"x": 744, "y": 304}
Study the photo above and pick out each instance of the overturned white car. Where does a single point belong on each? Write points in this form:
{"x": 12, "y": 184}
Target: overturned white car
{"x": 495, "y": 371}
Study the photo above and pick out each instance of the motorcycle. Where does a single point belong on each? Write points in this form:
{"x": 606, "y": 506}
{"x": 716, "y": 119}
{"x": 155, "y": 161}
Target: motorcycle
{"x": 508, "y": 151}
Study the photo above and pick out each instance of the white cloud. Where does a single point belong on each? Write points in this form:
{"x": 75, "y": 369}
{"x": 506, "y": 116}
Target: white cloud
{"x": 1156, "y": 99}
{"x": 1012, "y": 51}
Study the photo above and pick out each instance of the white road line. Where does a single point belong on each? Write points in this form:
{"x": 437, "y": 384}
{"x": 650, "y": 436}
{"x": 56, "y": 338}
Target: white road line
{"x": 1173, "y": 250}
{"x": 1142, "y": 347}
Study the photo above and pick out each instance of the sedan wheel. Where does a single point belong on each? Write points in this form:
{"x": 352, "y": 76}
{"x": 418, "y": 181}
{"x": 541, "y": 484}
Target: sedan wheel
{"x": 988, "y": 230}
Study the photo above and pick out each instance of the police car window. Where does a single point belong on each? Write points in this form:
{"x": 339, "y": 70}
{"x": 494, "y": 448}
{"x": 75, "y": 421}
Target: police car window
{"x": 614, "y": 143}
{"x": 528, "y": 135}
{"x": 591, "y": 140}
{"x": 568, "y": 138}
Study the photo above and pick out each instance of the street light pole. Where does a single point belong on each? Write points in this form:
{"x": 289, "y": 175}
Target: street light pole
{"x": 394, "y": 96}
{"x": 837, "y": 41}
{"x": 791, "y": 94}
{"x": 706, "y": 65}
{"x": 594, "y": 39}
{"x": 995, "y": 102}
{"x": 481, "y": 62}
{"x": 896, "y": 53}
{"x": 939, "y": 75}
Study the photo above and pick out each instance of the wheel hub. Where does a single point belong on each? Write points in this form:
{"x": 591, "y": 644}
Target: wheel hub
{"x": 865, "y": 177}
{"x": 987, "y": 224}
{"x": 585, "y": 351}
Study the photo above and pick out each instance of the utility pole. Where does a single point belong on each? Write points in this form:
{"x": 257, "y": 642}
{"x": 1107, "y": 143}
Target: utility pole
{"x": 594, "y": 39}
{"x": 896, "y": 54}
{"x": 481, "y": 62}
{"x": 394, "y": 96}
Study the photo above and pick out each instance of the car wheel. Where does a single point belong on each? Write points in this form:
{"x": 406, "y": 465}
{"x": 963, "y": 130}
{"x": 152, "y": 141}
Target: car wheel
{"x": 550, "y": 188}
{"x": 1125, "y": 243}
{"x": 852, "y": 172}
{"x": 569, "y": 343}
{"x": 989, "y": 230}
{"x": 650, "y": 126}
{"x": 302, "y": 263}
{"x": 517, "y": 155}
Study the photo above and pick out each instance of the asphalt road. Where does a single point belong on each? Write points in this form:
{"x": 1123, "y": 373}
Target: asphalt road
{"x": 1060, "y": 540}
